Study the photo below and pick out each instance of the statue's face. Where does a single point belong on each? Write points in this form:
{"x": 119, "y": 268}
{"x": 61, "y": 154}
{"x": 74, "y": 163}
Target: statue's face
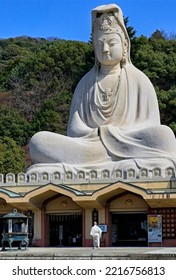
{"x": 108, "y": 48}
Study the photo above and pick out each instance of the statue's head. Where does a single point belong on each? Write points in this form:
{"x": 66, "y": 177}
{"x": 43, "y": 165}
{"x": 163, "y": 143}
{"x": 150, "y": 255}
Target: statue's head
{"x": 109, "y": 32}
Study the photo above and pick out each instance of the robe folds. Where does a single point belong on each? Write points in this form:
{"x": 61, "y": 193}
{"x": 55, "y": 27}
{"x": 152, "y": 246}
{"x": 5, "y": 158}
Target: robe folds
{"x": 125, "y": 130}
{"x": 128, "y": 128}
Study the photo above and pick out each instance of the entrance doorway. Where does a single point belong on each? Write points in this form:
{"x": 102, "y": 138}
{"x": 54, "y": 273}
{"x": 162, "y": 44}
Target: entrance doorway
{"x": 129, "y": 229}
{"x": 65, "y": 229}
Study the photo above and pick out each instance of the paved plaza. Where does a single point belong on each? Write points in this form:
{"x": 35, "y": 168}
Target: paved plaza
{"x": 74, "y": 253}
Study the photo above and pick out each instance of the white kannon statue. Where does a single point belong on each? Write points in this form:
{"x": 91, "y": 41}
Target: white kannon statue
{"x": 114, "y": 118}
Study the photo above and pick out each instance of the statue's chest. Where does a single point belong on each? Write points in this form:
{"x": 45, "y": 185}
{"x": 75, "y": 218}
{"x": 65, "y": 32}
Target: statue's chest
{"x": 107, "y": 87}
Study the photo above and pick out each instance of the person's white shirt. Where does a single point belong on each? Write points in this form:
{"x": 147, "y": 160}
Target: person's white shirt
{"x": 96, "y": 233}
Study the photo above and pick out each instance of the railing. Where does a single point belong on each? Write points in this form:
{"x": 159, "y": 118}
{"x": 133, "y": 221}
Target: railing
{"x": 93, "y": 176}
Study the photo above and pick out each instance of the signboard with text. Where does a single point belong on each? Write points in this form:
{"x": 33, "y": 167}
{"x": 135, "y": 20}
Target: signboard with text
{"x": 154, "y": 228}
{"x": 103, "y": 227}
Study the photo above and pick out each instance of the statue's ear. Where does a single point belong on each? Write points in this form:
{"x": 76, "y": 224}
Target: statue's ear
{"x": 124, "y": 57}
{"x": 125, "y": 46}
{"x": 97, "y": 63}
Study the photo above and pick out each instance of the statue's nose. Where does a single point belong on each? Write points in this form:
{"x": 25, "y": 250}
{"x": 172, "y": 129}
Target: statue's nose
{"x": 105, "y": 48}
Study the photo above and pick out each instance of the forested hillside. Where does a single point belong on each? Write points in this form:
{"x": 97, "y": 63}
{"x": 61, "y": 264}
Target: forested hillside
{"x": 38, "y": 78}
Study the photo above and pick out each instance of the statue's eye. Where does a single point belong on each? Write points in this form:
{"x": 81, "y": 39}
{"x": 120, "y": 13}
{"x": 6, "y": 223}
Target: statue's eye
{"x": 113, "y": 43}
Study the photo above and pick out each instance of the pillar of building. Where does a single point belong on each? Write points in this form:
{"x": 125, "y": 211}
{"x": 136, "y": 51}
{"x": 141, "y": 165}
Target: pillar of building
{"x": 37, "y": 228}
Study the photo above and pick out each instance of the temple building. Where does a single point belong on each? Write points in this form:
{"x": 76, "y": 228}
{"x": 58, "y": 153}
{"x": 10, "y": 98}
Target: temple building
{"x": 62, "y": 207}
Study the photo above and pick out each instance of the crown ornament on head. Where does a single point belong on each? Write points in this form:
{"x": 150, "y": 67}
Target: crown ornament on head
{"x": 106, "y": 22}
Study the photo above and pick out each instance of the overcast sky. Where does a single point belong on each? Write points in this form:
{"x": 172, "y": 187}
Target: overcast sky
{"x": 71, "y": 19}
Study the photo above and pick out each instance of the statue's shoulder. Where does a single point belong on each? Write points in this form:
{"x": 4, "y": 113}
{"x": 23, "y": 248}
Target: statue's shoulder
{"x": 137, "y": 75}
{"x": 87, "y": 79}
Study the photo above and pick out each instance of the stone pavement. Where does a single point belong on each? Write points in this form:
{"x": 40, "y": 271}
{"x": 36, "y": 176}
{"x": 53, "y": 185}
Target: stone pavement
{"x": 87, "y": 253}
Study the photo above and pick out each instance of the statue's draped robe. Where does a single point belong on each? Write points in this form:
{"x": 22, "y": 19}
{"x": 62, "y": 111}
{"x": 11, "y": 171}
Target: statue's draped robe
{"x": 130, "y": 128}
{"x": 101, "y": 134}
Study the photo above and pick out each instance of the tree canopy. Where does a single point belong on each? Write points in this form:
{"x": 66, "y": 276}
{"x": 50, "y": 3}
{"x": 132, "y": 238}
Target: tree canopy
{"x": 11, "y": 156}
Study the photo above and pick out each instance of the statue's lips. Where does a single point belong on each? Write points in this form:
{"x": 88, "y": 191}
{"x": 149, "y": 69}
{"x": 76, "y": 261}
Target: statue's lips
{"x": 106, "y": 57}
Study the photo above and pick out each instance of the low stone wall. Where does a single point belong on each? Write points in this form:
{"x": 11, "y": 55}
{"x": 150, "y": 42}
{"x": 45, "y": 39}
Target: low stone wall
{"x": 81, "y": 177}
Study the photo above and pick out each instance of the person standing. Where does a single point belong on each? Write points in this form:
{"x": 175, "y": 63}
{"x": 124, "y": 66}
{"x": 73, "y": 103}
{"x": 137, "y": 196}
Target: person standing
{"x": 96, "y": 233}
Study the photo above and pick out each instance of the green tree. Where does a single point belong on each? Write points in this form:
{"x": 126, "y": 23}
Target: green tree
{"x": 131, "y": 31}
{"x": 167, "y": 104}
{"x": 57, "y": 66}
{"x": 157, "y": 35}
{"x": 54, "y": 114}
{"x": 11, "y": 156}
{"x": 13, "y": 125}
